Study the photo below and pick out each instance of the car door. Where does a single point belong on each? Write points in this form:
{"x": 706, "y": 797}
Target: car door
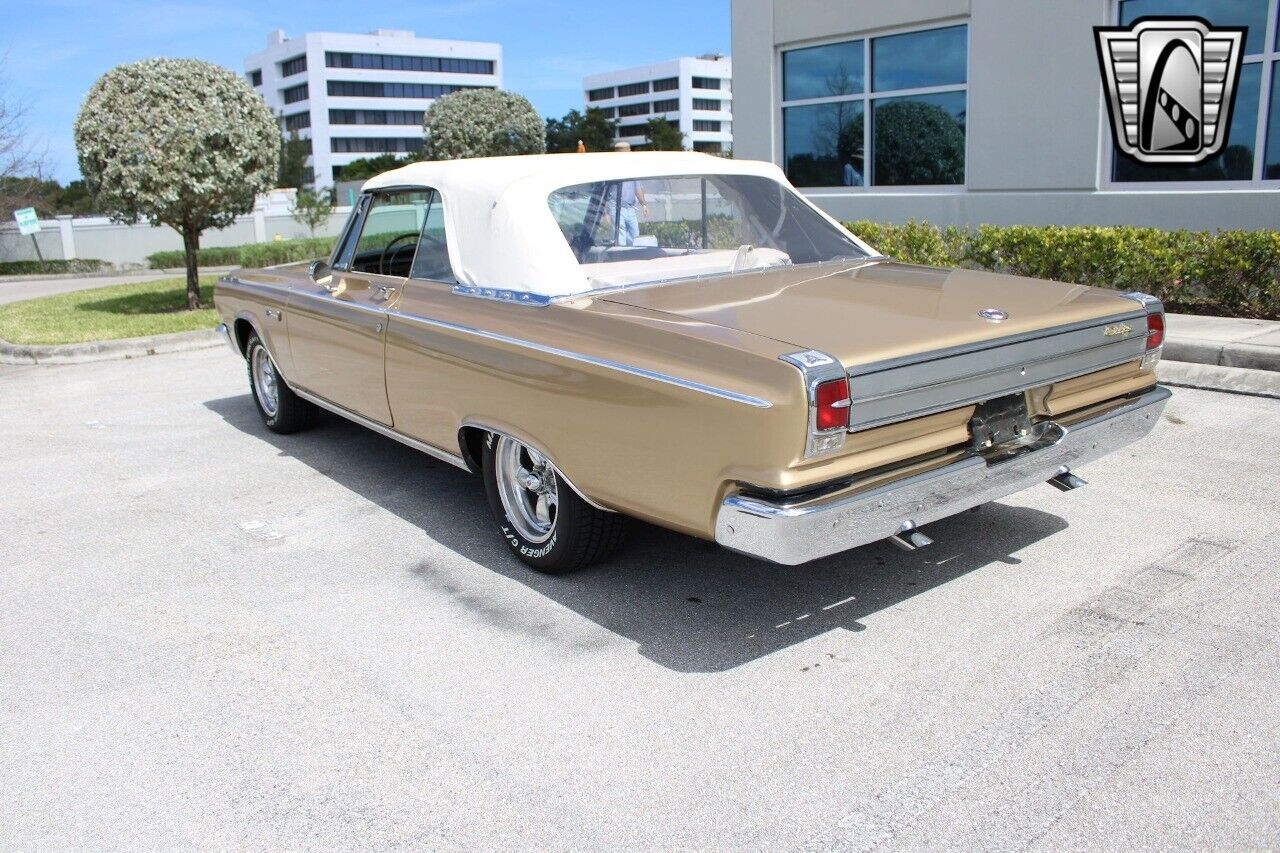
{"x": 337, "y": 329}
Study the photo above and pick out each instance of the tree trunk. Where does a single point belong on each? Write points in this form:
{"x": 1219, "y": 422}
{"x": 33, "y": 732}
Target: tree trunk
{"x": 190, "y": 246}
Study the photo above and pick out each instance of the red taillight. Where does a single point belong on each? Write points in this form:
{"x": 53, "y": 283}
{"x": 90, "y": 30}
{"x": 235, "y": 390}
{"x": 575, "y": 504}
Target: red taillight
{"x": 1155, "y": 330}
{"x": 833, "y": 404}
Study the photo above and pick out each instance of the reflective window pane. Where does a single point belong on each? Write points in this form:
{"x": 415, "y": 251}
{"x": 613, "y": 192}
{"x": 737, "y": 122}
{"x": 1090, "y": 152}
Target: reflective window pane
{"x": 1271, "y": 165}
{"x": 916, "y": 60}
{"x": 1222, "y": 13}
{"x": 822, "y": 144}
{"x": 918, "y": 140}
{"x": 822, "y": 72}
{"x": 1233, "y": 163}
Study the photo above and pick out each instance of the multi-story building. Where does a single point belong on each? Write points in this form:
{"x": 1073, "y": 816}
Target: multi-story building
{"x": 694, "y": 94}
{"x": 972, "y": 111}
{"x": 351, "y": 95}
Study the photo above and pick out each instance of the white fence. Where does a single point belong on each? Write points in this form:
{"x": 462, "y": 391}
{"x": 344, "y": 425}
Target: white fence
{"x": 97, "y": 237}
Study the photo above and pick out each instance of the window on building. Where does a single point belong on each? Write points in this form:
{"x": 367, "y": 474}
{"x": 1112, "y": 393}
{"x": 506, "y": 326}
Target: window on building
{"x": 902, "y": 99}
{"x": 634, "y": 109}
{"x": 633, "y": 89}
{"x": 666, "y": 84}
{"x": 290, "y": 67}
{"x": 386, "y": 62}
{"x": 362, "y": 145}
{"x": 255, "y": 77}
{"x": 296, "y": 93}
{"x": 361, "y": 89}
{"x": 708, "y": 147}
{"x": 609, "y": 112}
{"x": 706, "y": 126}
{"x": 600, "y": 94}
{"x": 1271, "y": 169}
{"x": 384, "y": 117}
{"x": 625, "y": 130}
{"x": 1253, "y": 121}
{"x": 666, "y": 106}
{"x": 707, "y": 104}
{"x": 297, "y": 121}
{"x": 308, "y": 175}
{"x": 706, "y": 82}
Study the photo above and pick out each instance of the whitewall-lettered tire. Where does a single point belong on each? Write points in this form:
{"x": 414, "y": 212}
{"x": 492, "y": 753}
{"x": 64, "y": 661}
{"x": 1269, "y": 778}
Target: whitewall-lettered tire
{"x": 544, "y": 521}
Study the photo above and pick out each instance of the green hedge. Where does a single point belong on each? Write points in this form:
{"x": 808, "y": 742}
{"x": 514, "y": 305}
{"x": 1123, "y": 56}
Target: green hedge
{"x": 285, "y": 251}
{"x": 1225, "y": 273}
{"x": 248, "y": 255}
{"x": 78, "y": 265}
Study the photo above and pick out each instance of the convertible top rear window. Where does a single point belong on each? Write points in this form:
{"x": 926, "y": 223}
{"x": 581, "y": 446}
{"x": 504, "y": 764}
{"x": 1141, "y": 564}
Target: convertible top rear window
{"x": 649, "y": 230}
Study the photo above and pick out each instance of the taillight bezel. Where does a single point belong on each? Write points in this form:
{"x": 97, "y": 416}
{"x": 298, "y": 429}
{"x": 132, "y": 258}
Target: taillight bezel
{"x": 822, "y": 371}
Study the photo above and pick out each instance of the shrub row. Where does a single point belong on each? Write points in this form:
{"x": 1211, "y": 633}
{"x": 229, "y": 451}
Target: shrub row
{"x": 1225, "y": 273}
{"x": 77, "y": 265}
{"x": 248, "y": 255}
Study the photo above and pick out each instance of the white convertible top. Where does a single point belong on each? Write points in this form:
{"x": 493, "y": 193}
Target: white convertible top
{"x": 500, "y": 229}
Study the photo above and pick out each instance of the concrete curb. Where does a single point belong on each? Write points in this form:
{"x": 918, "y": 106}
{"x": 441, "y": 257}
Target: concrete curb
{"x": 28, "y": 354}
{"x": 1213, "y": 377}
{"x": 1215, "y": 353}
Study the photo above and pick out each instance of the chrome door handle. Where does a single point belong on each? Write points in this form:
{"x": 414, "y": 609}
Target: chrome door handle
{"x": 385, "y": 292}
{"x": 272, "y": 314}
{"x": 329, "y": 288}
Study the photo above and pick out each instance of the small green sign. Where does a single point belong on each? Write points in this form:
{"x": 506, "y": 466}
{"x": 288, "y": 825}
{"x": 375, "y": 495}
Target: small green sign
{"x": 28, "y": 222}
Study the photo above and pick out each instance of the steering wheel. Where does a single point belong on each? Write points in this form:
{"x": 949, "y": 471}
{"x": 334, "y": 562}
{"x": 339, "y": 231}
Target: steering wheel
{"x": 386, "y": 250}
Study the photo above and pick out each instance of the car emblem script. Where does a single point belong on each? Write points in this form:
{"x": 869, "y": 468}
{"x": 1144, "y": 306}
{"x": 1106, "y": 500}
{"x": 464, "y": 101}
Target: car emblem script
{"x": 995, "y": 315}
{"x": 1117, "y": 329}
{"x": 1170, "y": 83}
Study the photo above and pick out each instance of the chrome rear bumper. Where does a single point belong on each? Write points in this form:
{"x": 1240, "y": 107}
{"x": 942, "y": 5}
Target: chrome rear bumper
{"x": 793, "y": 533}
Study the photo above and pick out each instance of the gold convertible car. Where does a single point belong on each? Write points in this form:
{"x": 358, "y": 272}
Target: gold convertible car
{"x": 687, "y": 340}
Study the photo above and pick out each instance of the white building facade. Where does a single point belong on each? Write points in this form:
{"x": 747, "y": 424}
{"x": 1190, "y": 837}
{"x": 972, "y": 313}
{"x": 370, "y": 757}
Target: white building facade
{"x": 361, "y": 95}
{"x": 694, "y": 94}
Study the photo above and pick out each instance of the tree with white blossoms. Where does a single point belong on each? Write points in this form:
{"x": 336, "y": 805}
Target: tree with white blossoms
{"x": 482, "y": 123}
{"x": 180, "y": 142}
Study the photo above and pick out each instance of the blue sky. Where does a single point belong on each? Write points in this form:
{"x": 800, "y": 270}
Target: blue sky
{"x": 55, "y": 49}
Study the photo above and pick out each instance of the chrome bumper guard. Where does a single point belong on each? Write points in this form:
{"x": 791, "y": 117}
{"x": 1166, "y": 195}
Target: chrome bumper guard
{"x": 796, "y": 533}
{"x": 222, "y": 330}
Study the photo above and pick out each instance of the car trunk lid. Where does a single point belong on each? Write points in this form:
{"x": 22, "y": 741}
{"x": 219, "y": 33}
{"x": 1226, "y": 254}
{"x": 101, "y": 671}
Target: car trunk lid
{"x": 912, "y": 338}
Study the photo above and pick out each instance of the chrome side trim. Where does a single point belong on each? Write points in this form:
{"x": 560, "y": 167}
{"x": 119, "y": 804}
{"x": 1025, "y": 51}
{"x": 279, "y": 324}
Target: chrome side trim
{"x": 583, "y": 358}
{"x": 430, "y": 450}
{"x": 798, "y": 531}
{"x": 517, "y": 297}
{"x": 559, "y": 473}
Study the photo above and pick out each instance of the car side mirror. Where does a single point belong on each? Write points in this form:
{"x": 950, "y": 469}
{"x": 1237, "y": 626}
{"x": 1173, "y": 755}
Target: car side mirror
{"x": 319, "y": 270}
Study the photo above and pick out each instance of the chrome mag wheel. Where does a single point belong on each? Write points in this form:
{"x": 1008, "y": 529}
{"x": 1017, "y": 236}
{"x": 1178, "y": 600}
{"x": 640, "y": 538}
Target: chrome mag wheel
{"x": 265, "y": 382}
{"x": 528, "y": 488}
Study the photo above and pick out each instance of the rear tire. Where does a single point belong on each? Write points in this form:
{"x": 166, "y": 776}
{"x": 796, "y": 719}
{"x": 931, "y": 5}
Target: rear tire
{"x": 282, "y": 410}
{"x": 544, "y": 521}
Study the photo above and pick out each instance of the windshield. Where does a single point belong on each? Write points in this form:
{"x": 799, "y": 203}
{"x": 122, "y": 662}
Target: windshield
{"x": 650, "y": 230}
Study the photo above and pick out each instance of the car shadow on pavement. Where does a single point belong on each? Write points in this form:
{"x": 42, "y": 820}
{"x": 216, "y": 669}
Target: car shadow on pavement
{"x": 690, "y": 605}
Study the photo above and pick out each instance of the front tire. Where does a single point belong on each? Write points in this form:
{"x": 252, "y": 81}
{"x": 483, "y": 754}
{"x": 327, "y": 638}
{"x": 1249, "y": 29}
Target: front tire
{"x": 282, "y": 410}
{"x": 545, "y": 523}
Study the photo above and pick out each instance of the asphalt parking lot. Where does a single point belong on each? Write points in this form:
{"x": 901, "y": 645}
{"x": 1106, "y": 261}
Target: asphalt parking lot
{"x": 215, "y": 637}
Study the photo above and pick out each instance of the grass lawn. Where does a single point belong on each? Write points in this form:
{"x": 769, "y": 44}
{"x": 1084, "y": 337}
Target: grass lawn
{"x": 108, "y": 313}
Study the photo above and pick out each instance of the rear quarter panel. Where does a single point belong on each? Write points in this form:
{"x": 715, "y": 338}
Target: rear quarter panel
{"x": 653, "y": 449}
